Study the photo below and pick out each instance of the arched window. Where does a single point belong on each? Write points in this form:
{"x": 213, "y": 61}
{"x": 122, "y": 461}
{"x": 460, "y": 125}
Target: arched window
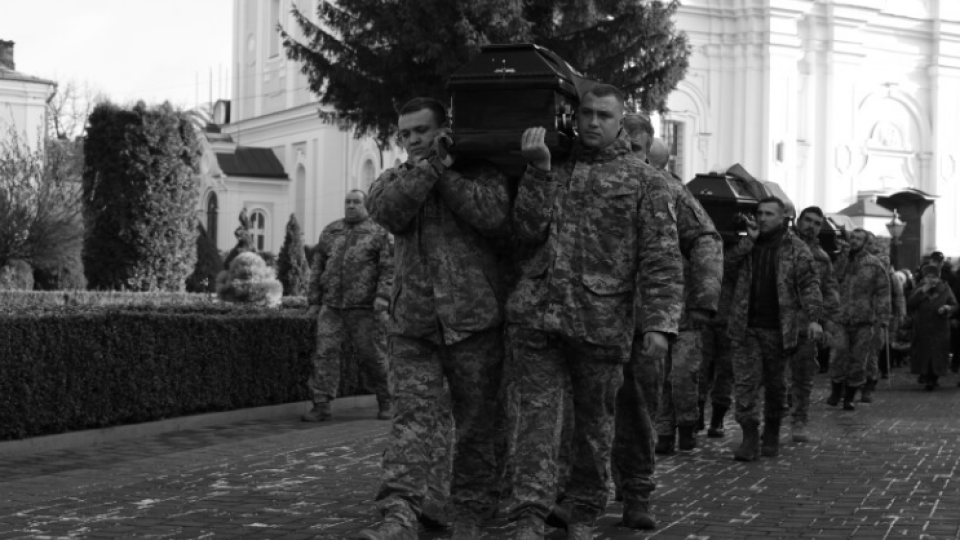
{"x": 258, "y": 229}
{"x": 213, "y": 211}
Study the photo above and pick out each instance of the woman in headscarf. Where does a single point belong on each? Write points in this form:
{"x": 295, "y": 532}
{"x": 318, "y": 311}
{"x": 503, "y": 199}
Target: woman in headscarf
{"x": 931, "y": 305}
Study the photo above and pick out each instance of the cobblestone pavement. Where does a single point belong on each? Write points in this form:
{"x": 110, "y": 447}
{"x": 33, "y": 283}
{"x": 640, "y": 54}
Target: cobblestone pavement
{"x": 888, "y": 470}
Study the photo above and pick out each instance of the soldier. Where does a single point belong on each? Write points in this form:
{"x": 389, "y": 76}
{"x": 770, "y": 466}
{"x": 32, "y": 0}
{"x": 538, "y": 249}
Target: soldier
{"x": 716, "y": 369}
{"x": 776, "y": 280}
{"x": 702, "y": 250}
{"x": 604, "y": 262}
{"x": 864, "y": 313}
{"x": 446, "y": 323}
{"x": 349, "y": 287}
{"x": 803, "y": 363}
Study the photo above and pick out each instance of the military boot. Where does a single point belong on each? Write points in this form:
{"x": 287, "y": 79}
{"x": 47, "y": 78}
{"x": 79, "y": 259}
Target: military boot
{"x": 750, "y": 447}
{"x": 798, "y": 432}
{"x": 770, "y": 445}
{"x": 701, "y": 406}
{"x": 319, "y": 413}
{"x": 688, "y": 439}
{"x": 558, "y": 516}
{"x": 386, "y": 409}
{"x": 466, "y": 530}
{"x": 665, "y": 444}
{"x": 866, "y": 395}
{"x": 636, "y": 515}
{"x": 528, "y": 528}
{"x": 716, "y": 422}
{"x": 390, "y": 530}
{"x": 580, "y": 531}
{"x": 848, "y": 396}
{"x": 836, "y": 392}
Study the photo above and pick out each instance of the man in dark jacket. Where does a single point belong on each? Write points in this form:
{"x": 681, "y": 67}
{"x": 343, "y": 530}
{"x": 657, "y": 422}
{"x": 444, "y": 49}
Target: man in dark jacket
{"x": 446, "y": 322}
{"x": 350, "y": 285}
{"x": 777, "y": 290}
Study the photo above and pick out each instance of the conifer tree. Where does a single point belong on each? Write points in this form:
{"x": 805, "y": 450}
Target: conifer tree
{"x": 292, "y": 265}
{"x": 367, "y": 57}
{"x": 204, "y": 276}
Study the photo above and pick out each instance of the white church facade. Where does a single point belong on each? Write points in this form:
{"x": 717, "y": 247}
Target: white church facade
{"x": 838, "y": 101}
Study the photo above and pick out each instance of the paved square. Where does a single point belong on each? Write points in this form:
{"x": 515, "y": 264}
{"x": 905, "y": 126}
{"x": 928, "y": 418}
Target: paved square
{"x": 888, "y": 470}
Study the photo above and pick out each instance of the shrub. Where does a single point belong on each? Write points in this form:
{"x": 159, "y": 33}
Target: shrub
{"x": 140, "y": 198}
{"x": 66, "y": 276}
{"x": 16, "y": 275}
{"x": 293, "y": 267}
{"x": 249, "y": 281}
{"x": 204, "y": 276}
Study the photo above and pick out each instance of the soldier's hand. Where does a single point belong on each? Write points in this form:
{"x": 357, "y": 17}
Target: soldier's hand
{"x": 815, "y": 331}
{"x": 534, "y": 149}
{"x": 441, "y": 146}
{"x": 314, "y": 311}
{"x": 752, "y": 230}
{"x": 655, "y": 344}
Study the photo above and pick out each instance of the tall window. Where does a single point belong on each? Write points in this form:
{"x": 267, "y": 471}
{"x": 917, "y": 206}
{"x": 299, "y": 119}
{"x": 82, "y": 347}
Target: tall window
{"x": 258, "y": 229}
{"x": 213, "y": 211}
{"x": 672, "y": 134}
{"x": 274, "y": 35}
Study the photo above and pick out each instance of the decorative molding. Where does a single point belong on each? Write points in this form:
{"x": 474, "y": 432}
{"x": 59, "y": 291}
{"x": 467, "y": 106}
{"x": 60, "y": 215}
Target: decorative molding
{"x": 843, "y": 158}
{"x": 948, "y": 167}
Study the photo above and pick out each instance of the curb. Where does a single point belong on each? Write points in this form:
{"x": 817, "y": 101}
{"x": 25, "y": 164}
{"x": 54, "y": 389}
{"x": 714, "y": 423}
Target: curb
{"x": 92, "y": 437}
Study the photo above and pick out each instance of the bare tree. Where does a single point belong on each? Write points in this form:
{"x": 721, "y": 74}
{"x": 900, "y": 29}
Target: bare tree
{"x": 70, "y": 108}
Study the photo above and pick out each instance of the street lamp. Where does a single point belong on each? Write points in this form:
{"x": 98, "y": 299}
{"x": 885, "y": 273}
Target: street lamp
{"x": 895, "y": 228}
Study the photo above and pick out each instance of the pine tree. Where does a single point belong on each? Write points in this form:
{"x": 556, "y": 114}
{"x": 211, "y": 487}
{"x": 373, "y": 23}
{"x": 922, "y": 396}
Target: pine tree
{"x": 292, "y": 265}
{"x": 377, "y": 55}
{"x": 204, "y": 276}
{"x": 140, "y": 198}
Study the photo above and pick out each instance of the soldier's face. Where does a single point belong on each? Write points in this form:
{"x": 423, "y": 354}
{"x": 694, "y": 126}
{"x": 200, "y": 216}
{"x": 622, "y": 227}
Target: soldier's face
{"x": 354, "y": 207}
{"x": 809, "y": 224}
{"x": 599, "y": 120}
{"x": 416, "y": 132}
{"x": 858, "y": 239}
{"x": 769, "y": 217}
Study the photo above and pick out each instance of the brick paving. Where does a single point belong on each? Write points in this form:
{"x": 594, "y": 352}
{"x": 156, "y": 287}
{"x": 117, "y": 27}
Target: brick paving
{"x": 888, "y": 470}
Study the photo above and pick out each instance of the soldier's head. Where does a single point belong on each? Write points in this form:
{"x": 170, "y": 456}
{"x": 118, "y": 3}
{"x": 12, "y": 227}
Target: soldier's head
{"x": 355, "y": 208}
{"x": 421, "y": 120}
{"x": 600, "y": 116}
{"x": 770, "y": 214}
{"x": 859, "y": 238}
{"x": 639, "y": 131}
{"x": 810, "y": 222}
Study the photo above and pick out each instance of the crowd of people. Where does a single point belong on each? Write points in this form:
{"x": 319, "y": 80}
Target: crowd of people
{"x": 546, "y": 335}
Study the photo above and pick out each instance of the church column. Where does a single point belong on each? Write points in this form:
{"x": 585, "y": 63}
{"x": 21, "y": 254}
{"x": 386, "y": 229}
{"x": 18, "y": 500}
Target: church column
{"x": 943, "y": 171}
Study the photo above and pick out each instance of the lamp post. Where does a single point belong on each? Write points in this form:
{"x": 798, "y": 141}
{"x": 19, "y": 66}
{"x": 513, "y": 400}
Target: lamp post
{"x": 895, "y": 228}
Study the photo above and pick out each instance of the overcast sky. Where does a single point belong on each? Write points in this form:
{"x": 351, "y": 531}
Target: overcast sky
{"x": 153, "y": 50}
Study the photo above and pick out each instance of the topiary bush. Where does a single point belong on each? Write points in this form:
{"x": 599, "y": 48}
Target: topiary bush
{"x": 140, "y": 193}
{"x": 293, "y": 268}
{"x": 249, "y": 281}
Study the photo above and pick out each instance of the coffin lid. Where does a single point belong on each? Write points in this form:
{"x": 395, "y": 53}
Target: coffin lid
{"x": 518, "y": 65}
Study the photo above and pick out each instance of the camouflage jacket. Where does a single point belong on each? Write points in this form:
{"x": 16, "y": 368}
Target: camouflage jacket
{"x": 352, "y": 266}
{"x": 864, "y": 291}
{"x": 447, "y": 280}
{"x": 702, "y": 250}
{"x": 829, "y": 289}
{"x": 605, "y": 258}
{"x": 798, "y": 287}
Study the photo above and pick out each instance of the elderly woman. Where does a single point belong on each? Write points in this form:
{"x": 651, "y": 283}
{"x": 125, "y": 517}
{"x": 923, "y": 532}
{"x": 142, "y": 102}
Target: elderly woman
{"x": 931, "y": 304}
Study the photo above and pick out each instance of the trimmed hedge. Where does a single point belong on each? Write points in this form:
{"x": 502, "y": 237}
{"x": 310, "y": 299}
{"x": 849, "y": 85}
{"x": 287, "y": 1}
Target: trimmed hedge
{"x": 70, "y": 368}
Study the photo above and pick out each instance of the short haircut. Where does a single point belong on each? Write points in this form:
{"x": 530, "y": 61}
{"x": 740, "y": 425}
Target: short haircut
{"x": 812, "y": 210}
{"x": 603, "y": 90}
{"x": 937, "y": 256}
{"x": 420, "y": 103}
{"x": 636, "y": 123}
{"x": 775, "y": 200}
{"x": 360, "y": 191}
{"x": 867, "y": 233}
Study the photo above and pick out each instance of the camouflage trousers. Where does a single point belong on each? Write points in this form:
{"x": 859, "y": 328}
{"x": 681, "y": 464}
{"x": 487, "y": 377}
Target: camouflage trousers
{"x": 716, "y": 369}
{"x": 633, "y": 457}
{"x": 803, "y": 369}
{"x": 872, "y": 367}
{"x": 678, "y": 400}
{"x": 362, "y": 328}
{"x": 848, "y": 365}
{"x": 545, "y": 363}
{"x": 414, "y": 462}
{"x": 759, "y": 360}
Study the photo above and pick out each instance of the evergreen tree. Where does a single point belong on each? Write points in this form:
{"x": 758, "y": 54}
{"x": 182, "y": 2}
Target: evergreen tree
{"x": 292, "y": 265}
{"x": 204, "y": 276}
{"x": 367, "y": 57}
{"x": 140, "y": 198}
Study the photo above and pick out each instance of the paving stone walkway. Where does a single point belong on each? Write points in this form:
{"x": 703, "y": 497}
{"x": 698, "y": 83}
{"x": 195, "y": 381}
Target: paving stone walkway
{"x": 888, "y": 470}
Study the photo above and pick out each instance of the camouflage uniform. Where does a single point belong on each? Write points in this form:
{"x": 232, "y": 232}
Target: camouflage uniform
{"x": 760, "y": 354}
{"x": 353, "y": 266}
{"x": 716, "y": 369}
{"x": 446, "y": 324}
{"x": 803, "y": 363}
{"x": 606, "y": 263}
{"x": 864, "y": 306}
